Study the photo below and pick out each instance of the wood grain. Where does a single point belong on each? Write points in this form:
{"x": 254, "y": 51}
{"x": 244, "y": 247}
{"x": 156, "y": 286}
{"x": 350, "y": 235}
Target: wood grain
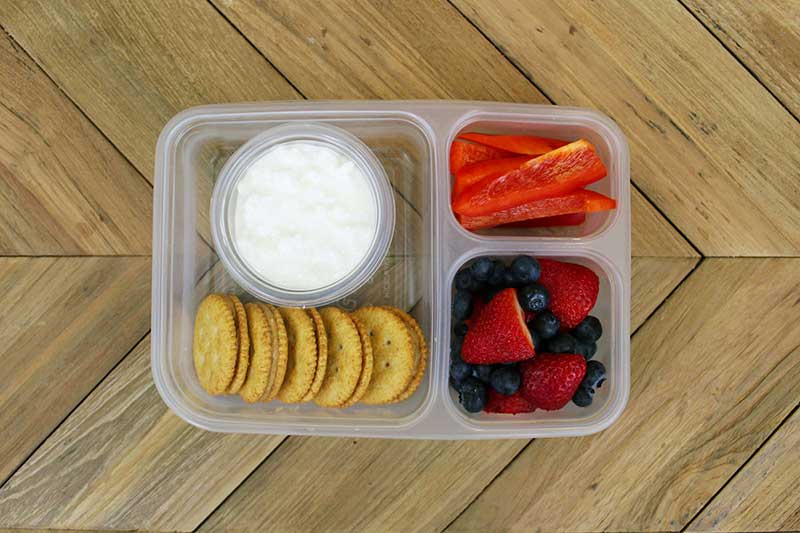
{"x": 68, "y": 321}
{"x": 765, "y": 36}
{"x": 709, "y": 384}
{"x": 56, "y": 173}
{"x": 362, "y": 485}
{"x": 709, "y": 145}
{"x": 414, "y": 49}
{"x": 123, "y": 460}
{"x": 652, "y": 280}
{"x": 763, "y": 495}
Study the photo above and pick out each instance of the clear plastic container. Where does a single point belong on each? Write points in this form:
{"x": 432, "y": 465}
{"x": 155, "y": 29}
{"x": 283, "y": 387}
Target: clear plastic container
{"x": 411, "y": 139}
{"x": 223, "y": 200}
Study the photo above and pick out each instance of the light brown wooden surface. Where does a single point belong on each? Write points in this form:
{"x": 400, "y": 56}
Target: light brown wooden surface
{"x": 763, "y": 496}
{"x": 765, "y": 36}
{"x": 714, "y": 362}
{"x": 711, "y": 147}
{"x": 63, "y": 330}
{"x": 56, "y": 172}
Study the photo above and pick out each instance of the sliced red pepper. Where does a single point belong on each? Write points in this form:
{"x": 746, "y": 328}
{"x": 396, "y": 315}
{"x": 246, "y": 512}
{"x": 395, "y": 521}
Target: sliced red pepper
{"x": 571, "y": 219}
{"x": 519, "y": 144}
{"x": 555, "y": 173}
{"x": 491, "y": 168}
{"x": 581, "y": 201}
{"x": 464, "y": 153}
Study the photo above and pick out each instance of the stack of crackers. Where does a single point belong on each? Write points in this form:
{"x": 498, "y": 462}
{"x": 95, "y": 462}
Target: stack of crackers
{"x": 375, "y": 355}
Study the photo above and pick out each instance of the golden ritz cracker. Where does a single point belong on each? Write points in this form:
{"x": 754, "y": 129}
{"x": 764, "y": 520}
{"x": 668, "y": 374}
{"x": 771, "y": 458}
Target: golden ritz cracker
{"x": 373, "y": 356}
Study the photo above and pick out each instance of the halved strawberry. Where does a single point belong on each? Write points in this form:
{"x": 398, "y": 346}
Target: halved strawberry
{"x": 550, "y": 380}
{"x": 478, "y": 303}
{"x": 509, "y": 404}
{"x": 499, "y": 335}
{"x": 573, "y": 290}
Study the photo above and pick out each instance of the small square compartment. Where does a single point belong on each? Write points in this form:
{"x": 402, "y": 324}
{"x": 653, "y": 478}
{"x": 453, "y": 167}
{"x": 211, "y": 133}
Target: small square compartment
{"x": 610, "y": 398}
{"x": 594, "y": 127}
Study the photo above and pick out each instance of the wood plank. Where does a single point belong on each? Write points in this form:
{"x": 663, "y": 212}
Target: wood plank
{"x": 70, "y": 321}
{"x": 709, "y": 145}
{"x": 763, "y": 495}
{"x": 56, "y": 171}
{"x": 765, "y": 36}
{"x": 652, "y": 280}
{"x": 708, "y": 386}
{"x": 130, "y": 66}
{"x": 123, "y": 460}
{"x": 362, "y": 485}
{"x": 403, "y": 50}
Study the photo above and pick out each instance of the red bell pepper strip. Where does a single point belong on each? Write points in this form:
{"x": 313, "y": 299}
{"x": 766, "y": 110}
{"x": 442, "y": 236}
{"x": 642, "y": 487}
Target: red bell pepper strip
{"x": 519, "y": 144}
{"x": 465, "y": 153}
{"x": 491, "y": 168}
{"x": 571, "y": 219}
{"x": 555, "y": 173}
{"x": 581, "y": 201}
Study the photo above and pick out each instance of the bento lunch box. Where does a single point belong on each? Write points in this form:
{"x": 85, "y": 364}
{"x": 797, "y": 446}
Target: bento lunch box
{"x": 411, "y": 139}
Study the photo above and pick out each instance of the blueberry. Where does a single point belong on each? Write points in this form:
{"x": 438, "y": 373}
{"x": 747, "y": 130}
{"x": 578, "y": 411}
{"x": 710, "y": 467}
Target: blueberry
{"x": 586, "y": 349}
{"x": 590, "y": 329}
{"x": 482, "y": 372}
{"x": 526, "y": 269}
{"x": 462, "y": 305}
{"x": 563, "y": 343}
{"x": 546, "y": 324}
{"x": 595, "y": 376}
{"x": 455, "y": 346}
{"x": 538, "y": 343}
{"x": 463, "y": 280}
{"x": 508, "y": 279}
{"x": 490, "y": 293}
{"x": 582, "y": 397}
{"x": 505, "y": 379}
{"x": 460, "y": 329}
{"x": 482, "y": 269}
{"x": 534, "y": 297}
{"x": 459, "y": 370}
{"x": 472, "y": 395}
{"x": 498, "y": 276}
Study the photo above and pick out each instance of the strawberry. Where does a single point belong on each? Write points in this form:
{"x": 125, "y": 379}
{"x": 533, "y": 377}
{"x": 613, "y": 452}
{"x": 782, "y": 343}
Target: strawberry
{"x": 529, "y": 315}
{"x": 550, "y": 380}
{"x": 573, "y": 290}
{"x": 509, "y": 404}
{"x": 499, "y": 335}
{"x": 477, "y": 306}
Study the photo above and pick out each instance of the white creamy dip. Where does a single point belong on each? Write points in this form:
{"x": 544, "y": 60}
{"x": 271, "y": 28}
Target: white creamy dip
{"x": 304, "y": 216}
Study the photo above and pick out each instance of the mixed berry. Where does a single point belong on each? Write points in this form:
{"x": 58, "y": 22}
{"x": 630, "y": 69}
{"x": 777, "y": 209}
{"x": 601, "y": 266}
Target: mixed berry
{"x": 522, "y": 335}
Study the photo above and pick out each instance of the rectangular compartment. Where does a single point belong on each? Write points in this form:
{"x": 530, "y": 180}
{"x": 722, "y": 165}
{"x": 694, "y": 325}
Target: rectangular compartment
{"x": 412, "y": 140}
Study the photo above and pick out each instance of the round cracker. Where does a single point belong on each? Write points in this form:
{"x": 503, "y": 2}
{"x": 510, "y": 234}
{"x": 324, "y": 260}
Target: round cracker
{"x": 345, "y": 358}
{"x": 215, "y": 346}
{"x": 420, "y": 349}
{"x": 301, "y": 363}
{"x": 393, "y": 354}
{"x": 322, "y": 354}
{"x": 260, "y": 365}
{"x": 280, "y": 352}
{"x": 366, "y": 367}
{"x": 243, "y": 357}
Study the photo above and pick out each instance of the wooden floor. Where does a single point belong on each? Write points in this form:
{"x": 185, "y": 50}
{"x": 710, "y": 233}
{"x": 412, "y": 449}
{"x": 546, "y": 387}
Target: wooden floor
{"x": 708, "y": 93}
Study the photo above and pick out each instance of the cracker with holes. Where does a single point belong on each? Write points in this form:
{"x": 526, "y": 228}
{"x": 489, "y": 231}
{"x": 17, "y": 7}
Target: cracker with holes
{"x": 243, "y": 357}
{"x": 260, "y": 365}
{"x": 322, "y": 354}
{"x": 216, "y": 343}
{"x": 280, "y": 352}
{"x": 302, "y": 361}
{"x": 393, "y": 365}
{"x": 366, "y": 366}
{"x": 420, "y": 353}
{"x": 345, "y": 358}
